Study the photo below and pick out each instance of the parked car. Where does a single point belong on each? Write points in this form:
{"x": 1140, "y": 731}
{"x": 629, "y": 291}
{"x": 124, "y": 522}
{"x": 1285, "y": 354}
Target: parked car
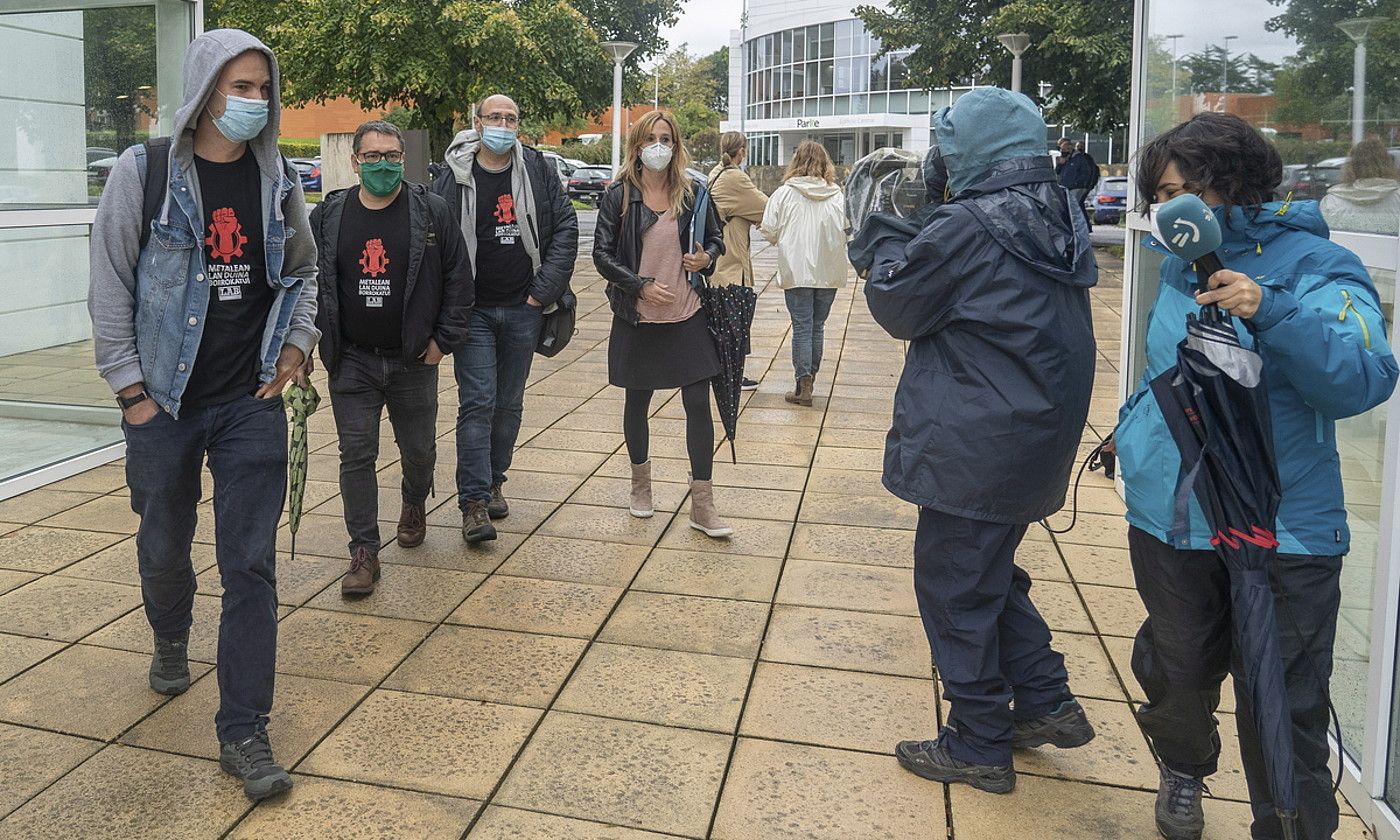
{"x": 574, "y": 163}
{"x": 588, "y": 183}
{"x": 96, "y": 153}
{"x": 560, "y": 167}
{"x": 1109, "y": 200}
{"x": 310, "y": 171}
{"x": 99, "y": 169}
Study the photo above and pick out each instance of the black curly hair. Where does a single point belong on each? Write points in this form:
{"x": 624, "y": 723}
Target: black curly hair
{"x": 1217, "y": 152}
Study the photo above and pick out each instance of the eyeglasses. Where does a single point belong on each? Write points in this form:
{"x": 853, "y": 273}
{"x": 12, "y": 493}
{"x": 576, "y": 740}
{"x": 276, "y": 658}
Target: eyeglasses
{"x": 500, "y": 119}
{"x": 376, "y": 157}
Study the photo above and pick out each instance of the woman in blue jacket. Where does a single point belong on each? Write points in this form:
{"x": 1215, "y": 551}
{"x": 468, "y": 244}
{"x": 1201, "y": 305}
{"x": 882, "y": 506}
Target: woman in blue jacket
{"x": 1310, "y": 309}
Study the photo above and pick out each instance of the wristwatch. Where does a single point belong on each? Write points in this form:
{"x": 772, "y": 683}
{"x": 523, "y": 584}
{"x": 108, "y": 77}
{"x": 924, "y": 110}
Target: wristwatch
{"x": 133, "y": 400}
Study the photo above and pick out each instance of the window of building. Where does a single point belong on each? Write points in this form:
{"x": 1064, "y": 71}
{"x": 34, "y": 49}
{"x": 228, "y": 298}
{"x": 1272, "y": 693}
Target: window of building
{"x": 828, "y": 40}
{"x": 843, "y": 38}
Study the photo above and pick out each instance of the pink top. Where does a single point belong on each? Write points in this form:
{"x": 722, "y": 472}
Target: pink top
{"x": 661, "y": 261}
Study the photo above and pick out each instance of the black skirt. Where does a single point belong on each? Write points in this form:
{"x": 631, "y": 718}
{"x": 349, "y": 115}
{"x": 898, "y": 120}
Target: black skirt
{"x": 660, "y": 356}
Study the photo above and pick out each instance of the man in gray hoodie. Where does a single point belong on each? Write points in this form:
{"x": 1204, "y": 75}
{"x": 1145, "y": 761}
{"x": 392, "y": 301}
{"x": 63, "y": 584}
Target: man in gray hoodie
{"x": 203, "y": 304}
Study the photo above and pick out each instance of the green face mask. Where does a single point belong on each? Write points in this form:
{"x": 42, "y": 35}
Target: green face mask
{"x": 381, "y": 178}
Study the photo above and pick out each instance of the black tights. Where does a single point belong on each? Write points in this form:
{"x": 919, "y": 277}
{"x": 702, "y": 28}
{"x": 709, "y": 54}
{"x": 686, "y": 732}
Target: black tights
{"x": 699, "y": 429}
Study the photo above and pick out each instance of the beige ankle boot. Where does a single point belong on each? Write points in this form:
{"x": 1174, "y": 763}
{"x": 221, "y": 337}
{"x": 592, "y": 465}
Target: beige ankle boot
{"x": 640, "y": 505}
{"x": 802, "y": 395}
{"x": 703, "y": 516}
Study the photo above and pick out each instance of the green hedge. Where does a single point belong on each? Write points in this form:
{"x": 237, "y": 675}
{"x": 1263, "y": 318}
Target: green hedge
{"x": 300, "y": 148}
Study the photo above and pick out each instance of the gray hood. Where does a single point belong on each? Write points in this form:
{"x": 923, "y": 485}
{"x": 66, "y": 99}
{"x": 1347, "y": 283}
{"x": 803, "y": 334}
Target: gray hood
{"x": 1366, "y": 190}
{"x": 461, "y": 152}
{"x": 817, "y": 189}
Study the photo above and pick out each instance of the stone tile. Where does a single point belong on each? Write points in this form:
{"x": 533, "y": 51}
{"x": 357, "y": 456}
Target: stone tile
{"x": 322, "y": 808}
{"x": 832, "y": 458}
{"x": 1090, "y": 529}
{"x": 298, "y": 579}
{"x": 413, "y": 592}
{"x": 1041, "y": 560}
{"x": 607, "y": 524}
{"x": 117, "y": 563}
{"x": 669, "y": 467}
{"x": 65, "y": 608}
{"x": 103, "y": 479}
{"x": 851, "y": 439}
{"x": 31, "y": 759}
{"x": 848, "y": 586}
{"x": 882, "y": 644}
{"x": 844, "y": 709}
{"x": 42, "y": 549}
{"x": 342, "y": 646}
{"x": 765, "y": 477}
{"x": 879, "y": 511}
{"x": 530, "y": 605}
{"x": 859, "y": 482}
{"x": 1090, "y": 671}
{"x": 708, "y": 574}
{"x": 123, "y": 792}
{"x": 556, "y": 461}
{"x": 28, "y": 508}
{"x": 525, "y": 516}
{"x": 632, "y": 774}
{"x": 658, "y": 686}
{"x": 444, "y": 548}
{"x": 1117, "y": 612}
{"x": 303, "y": 711}
{"x": 579, "y": 561}
{"x": 320, "y": 535}
{"x": 1060, "y": 606}
{"x": 513, "y": 824}
{"x": 133, "y": 632}
{"x": 752, "y": 537}
{"x": 578, "y": 440}
{"x": 742, "y": 502}
{"x": 760, "y": 452}
{"x": 19, "y": 652}
{"x": 684, "y": 622}
{"x": 476, "y": 663}
{"x": 614, "y": 492}
{"x": 88, "y": 691}
{"x": 779, "y": 791}
{"x": 1099, "y": 565}
{"x": 12, "y": 580}
{"x": 111, "y": 514}
{"x": 1118, "y": 755}
{"x": 1120, "y": 650}
{"x": 433, "y": 744}
{"x": 542, "y": 486}
{"x": 837, "y": 544}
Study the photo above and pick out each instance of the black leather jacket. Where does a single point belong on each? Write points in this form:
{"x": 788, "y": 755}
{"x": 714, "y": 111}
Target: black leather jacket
{"x": 617, "y": 244}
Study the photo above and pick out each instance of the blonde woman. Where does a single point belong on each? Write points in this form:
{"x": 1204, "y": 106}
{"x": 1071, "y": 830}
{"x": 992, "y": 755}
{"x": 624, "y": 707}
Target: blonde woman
{"x": 806, "y": 219}
{"x": 660, "y": 339}
{"x": 740, "y": 207}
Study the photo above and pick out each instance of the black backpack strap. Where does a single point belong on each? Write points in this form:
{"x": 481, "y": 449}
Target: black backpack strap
{"x": 153, "y": 195}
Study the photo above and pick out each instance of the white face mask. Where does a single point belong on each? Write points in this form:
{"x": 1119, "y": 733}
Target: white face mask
{"x": 1152, "y": 210}
{"x": 656, "y": 157}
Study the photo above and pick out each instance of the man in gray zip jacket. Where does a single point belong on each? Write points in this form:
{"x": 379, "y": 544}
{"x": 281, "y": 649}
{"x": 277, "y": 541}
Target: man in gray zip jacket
{"x": 198, "y": 330}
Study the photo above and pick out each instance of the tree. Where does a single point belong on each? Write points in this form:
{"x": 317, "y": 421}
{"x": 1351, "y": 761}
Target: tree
{"x": 119, "y": 64}
{"x": 686, "y": 86}
{"x": 716, "y": 66}
{"x": 1083, "y": 48}
{"x": 1248, "y": 73}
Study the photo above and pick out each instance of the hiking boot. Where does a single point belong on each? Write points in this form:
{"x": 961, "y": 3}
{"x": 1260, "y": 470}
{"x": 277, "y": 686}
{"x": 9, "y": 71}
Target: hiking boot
{"x": 703, "y": 516}
{"x": 497, "y": 508}
{"x": 748, "y": 384}
{"x": 251, "y": 761}
{"x": 1179, "y": 813}
{"x": 363, "y": 574}
{"x": 413, "y": 527}
{"x": 802, "y": 395}
{"x": 170, "y": 666}
{"x": 640, "y": 504}
{"x": 931, "y": 760}
{"x": 476, "y": 523}
{"x": 1067, "y": 727}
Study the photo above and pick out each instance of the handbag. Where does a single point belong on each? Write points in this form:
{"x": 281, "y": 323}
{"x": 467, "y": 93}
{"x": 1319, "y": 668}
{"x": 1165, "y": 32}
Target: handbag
{"x": 557, "y": 326}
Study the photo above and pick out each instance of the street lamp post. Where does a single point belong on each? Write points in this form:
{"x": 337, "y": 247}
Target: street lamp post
{"x": 1357, "y": 29}
{"x": 1173, "y": 39}
{"x": 1016, "y": 44}
{"x": 1225, "y": 62}
{"x": 618, "y": 50}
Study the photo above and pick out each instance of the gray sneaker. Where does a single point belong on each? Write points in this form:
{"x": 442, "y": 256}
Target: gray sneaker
{"x": 251, "y": 761}
{"x": 497, "y": 508}
{"x": 931, "y": 760}
{"x": 1179, "y": 813}
{"x": 1067, "y": 727}
{"x": 170, "y": 666}
{"x": 476, "y": 523}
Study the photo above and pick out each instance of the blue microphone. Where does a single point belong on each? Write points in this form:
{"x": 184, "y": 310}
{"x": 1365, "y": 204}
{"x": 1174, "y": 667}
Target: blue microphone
{"x": 1188, "y": 229}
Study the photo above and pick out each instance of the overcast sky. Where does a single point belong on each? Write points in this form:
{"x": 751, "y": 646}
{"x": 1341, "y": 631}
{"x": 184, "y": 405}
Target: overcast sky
{"x": 704, "y": 25}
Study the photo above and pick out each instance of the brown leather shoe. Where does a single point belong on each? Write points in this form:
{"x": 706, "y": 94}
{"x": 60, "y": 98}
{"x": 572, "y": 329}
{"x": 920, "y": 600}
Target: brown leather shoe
{"x": 363, "y": 574}
{"x": 412, "y": 526}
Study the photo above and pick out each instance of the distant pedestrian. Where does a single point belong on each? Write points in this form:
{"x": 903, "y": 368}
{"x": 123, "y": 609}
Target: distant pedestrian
{"x": 660, "y": 340}
{"x": 198, "y": 329}
{"x": 1079, "y": 174}
{"x": 806, "y": 219}
{"x": 993, "y": 298}
{"x": 739, "y": 205}
{"x": 395, "y": 295}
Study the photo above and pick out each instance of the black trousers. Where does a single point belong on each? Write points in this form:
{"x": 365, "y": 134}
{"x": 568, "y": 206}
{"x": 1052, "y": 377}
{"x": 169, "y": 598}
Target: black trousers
{"x": 1184, "y": 649}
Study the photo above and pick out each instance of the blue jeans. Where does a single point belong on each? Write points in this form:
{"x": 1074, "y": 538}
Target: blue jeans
{"x": 246, "y": 444}
{"x": 491, "y": 370}
{"x": 808, "y": 309}
{"x": 990, "y": 645}
{"x": 362, "y": 385}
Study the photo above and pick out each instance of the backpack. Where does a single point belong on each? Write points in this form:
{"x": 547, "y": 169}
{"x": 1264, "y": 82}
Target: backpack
{"x": 153, "y": 189}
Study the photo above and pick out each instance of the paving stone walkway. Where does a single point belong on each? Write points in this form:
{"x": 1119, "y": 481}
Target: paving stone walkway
{"x": 588, "y": 676}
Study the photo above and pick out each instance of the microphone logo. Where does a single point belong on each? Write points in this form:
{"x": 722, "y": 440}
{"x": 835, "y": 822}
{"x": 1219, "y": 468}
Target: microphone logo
{"x": 1182, "y": 237}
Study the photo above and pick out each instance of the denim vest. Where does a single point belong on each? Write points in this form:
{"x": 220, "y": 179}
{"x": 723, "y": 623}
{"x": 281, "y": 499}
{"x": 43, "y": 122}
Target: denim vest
{"x": 172, "y": 296}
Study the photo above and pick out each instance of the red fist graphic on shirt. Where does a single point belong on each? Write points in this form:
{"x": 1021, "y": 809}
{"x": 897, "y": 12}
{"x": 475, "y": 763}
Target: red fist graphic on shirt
{"x": 375, "y": 260}
{"x": 225, "y": 239}
{"x": 505, "y": 209}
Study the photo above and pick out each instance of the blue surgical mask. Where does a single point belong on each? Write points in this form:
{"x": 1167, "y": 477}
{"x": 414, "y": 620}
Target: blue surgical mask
{"x": 498, "y": 139}
{"x": 243, "y": 119}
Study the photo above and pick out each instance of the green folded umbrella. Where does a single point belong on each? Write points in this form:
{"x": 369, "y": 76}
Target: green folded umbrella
{"x": 302, "y": 403}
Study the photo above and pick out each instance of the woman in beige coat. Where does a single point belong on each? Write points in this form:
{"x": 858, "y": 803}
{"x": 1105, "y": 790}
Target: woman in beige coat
{"x": 740, "y": 205}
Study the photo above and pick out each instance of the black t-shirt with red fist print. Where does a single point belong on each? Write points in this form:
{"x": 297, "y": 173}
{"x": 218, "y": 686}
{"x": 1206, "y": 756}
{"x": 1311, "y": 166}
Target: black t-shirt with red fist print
{"x": 503, "y": 270}
{"x": 371, "y": 261}
{"x": 240, "y": 300}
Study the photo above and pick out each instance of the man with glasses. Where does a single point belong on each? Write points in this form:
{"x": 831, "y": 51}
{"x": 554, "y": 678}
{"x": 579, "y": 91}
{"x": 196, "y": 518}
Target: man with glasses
{"x": 522, "y": 236}
{"x": 395, "y": 295}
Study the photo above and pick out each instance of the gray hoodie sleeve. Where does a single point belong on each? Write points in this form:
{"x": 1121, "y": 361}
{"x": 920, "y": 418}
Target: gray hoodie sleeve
{"x": 115, "y": 247}
{"x": 299, "y": 260}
